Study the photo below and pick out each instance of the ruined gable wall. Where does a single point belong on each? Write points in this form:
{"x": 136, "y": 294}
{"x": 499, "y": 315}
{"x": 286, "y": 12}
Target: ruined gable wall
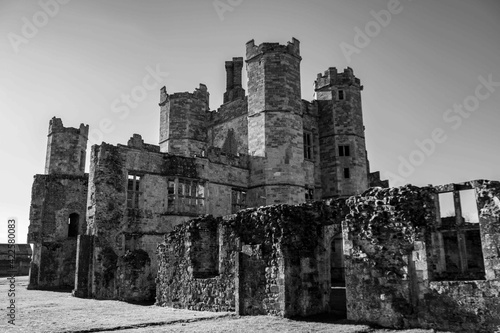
{"x": 390, "y": 262}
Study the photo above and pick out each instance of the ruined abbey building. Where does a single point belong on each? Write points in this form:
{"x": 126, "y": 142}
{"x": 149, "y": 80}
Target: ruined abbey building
{"x": 264, "y": 147}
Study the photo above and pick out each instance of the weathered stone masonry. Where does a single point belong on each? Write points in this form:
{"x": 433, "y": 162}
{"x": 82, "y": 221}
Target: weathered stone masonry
{"x": 406, "y": 263}
{"x": 399, "y": 274}
{"x": 58, "y": 209}
{"x": 265, "y": 147}
{"x": 270, "y": 260}
{"x": 277, "y": 260}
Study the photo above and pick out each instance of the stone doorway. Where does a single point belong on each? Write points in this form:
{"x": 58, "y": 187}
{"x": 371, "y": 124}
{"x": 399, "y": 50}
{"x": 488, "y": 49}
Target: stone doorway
{"x": 337, "y": 274}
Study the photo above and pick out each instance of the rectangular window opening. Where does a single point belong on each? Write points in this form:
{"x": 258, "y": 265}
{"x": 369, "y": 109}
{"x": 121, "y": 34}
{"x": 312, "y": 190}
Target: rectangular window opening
{"x": 133, "y": 191}
{"x": 469, "y": 206}
{"x": 185, "y": 196}
{"x": 309, "y": 194}
{"x": 446, "y": 206}
{"x": 341, "y": 95}
{"x": 460, "y": 250}
{"x": 344, "y": 150}
{"x": 347, "y": 173}
{"x": 308, "y": 149}
{"x": 238, "y": 200}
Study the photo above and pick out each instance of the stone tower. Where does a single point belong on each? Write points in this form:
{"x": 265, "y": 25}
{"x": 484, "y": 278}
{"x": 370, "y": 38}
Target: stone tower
{"x": 343, "y": 159}
{"x": 275, "y": 127}
{"x": 58, "y": 208}
{"x": 183, "y": 117}
{"x": 66, "y": 149}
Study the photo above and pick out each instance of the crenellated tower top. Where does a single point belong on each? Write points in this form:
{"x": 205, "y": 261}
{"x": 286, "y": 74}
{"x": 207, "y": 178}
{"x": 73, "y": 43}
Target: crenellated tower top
{"x": 253, "y": 50}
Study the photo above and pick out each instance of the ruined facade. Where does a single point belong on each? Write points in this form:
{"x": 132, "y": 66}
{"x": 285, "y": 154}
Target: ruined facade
{"x": 262, "y": 147}
{"x": 261, "y": 207}
{"x": 58, "y": 208}
{"x": 405, "y": 266}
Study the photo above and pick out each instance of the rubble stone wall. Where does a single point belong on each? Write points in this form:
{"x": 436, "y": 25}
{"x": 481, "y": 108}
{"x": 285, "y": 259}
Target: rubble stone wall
{"x": 390, "y": 261}
{"x": 270, "y": 260}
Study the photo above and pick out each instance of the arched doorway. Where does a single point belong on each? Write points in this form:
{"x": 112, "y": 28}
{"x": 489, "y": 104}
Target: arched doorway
{"x": 73, "y": 222}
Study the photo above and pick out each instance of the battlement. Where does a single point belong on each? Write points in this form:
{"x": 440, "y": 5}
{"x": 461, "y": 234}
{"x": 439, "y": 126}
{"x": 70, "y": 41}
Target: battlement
{"x": 253, "y": 50}
{"x": 66, "y": 148}
{"x": 56, "y": 126}
{"x": 200, "y": 93}
{"x": 331, "y": 77}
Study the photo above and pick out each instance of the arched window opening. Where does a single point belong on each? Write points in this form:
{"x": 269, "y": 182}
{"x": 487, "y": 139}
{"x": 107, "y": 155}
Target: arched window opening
{"x": 73, "y": 225}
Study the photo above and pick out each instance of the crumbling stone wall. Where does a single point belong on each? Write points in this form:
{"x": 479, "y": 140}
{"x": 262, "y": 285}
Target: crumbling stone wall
{"x": 271, "y": 260}
{"x": 121, "y": 228}
{"x": 390, "y": 262}
{"x": 54, "y": 198}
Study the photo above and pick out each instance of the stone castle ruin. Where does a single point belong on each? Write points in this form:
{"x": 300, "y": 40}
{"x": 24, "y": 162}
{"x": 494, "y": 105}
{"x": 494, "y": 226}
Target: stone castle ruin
{"x": 261, "y": 207}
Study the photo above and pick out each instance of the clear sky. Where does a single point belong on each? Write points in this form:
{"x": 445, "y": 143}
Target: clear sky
{"x": 77, "y": 59}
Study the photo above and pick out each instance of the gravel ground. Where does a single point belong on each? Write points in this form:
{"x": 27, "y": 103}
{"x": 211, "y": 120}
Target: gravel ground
{"x": 47, "y": 311}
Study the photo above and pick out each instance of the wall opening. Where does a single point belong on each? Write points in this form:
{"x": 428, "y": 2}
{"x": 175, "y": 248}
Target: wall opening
{"x": 73, "y": 225}
{"x": 238, "y": 200}
{"x": 337, "y": 262}
{"x": 457, "y": 240}
{"x": 133, "y": 191}
{"x": 338, "y": 303}
{"x": 205, "y": 251}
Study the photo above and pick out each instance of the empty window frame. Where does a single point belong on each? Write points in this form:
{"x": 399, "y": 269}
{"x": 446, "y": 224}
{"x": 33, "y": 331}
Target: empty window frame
{"x": 238, "y": 200}
{"x": 341, "y": 95}
{"x": 344, "y": 150}
{"x": 347, "y": 173}
{"x": 308, "y": 148}
{"x": 171, "y": 194}
{"x": 461, "y": 247}
{"x": 82, "y": 160}
{"x": 309, "y": 194}
{"x": 185, "y": 195}
{"x": 73, "y": 225}
{"x": 133, "y": 191}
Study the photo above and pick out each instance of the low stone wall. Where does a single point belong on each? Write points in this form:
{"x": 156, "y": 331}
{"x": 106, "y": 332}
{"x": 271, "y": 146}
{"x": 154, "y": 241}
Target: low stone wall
{"x": 268, "y": 260}
{"x": 461, "y": 306}
{"x": 176, "y": 285}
